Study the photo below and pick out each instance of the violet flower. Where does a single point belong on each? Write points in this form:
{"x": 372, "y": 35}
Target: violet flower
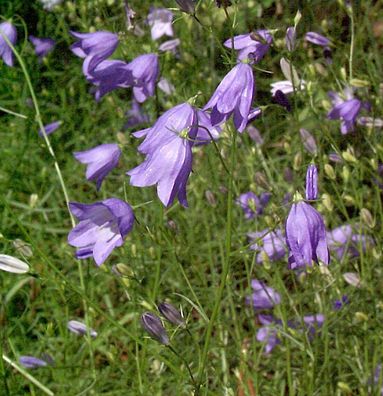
{"x": 345, "y": 109}
{"x": 171, "y": 314}
{"x": 290, "y": 38}
{"x": 252, "y": 46}
{"x": 50, "y": 128}
{"x": 264, "y": 297}
{"x": 168, "y": 161}
{"x": 145, "y": 70}
{"x": 339, "y": 304}
{"x": 80, "y": 328}
{"x": 166, "y": 86}
{"x": 153, "y": 325}
{"x": 7, "y": 29}
{"x": 308, "y": 141}
{"x": 95, "y": 47}
{"x": 170, "y": 46}
{"x": 312, "y": 183}
{"x": 272, "y": 245}
{"x": 160, "y": 22}
{"x": 313, "y": 323}
{"x": 286, "y": 87}
{"x": 268, "y": 333}
{"x": 31, "y": 362}
{"x": 280, "y": 98}
{"x": 135, "y": 116}
{"x": 100, "y": 160}
{"x": 42, "y": 46}
{"x": 252, "y": 205}
{"x": 233, "y": 95}
{"x": 318, "y": 39}
{"x": 305, "y": 236}
{"x": 102, "y": 227}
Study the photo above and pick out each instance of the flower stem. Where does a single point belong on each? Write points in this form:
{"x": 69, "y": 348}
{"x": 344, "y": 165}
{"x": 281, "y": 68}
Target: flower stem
{"x": 352, "y": 44}
{"x": 186, "y": 364}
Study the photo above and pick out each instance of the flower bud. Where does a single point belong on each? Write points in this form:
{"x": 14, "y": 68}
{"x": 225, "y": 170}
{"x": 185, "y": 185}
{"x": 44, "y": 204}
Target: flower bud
{"x": 329, "y": 170}
{"x": 297, "y": 161}
{"x": 352, "y": 278}
{"x": 312, "y": 183}
{"x": 80, "y": 328}
{"x": 153, "y": 325}
{"x": 170, "y": 313}
{"x": 187, "y": 6}
{"x": 308, "y": 141}
{"x": 342, "y": 386}
{"x": 22, "y": 247}
{"x": 31, "y": 362}
{"x": 327, "y": 203}
{"x": 290, "y": 38}
{"x": 367, "y": 218}
{"x": 349, "y": 156}
{"x": 13, "y": 264}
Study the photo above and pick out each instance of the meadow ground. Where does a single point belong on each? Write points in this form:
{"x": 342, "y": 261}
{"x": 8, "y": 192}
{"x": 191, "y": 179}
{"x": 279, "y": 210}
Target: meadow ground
{"x": 310, "y": 330}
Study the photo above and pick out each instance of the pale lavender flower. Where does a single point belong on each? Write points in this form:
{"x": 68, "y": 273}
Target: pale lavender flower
{"x": 50, "y": 128}
{"x": 42, "y": 46}
{"x": 334, "y": 157}
{"x": 313, "y": 323}
{"x": 100, "y": 160}
{"x": 170, "y": 45}
{"x": 376, "y": 379}
{"x": 263, "y": 297}
{"x": 80, "y": 328}
{"x": 165, "y": 86}
{"x": 153, "y": 325}
{"x": 252, "y": 46}
{"x": 145, "y": 70}
{"x": 102, "y": 227}
{"x": 252, "y": 205}
{"x": 255, "y": 135}
{"x": 286, "y": 87}
{"x": 169, "y": 157}
{"x": 269, "y": 243}
{"x": 135, "y": 116}
{"x": 312, "y": 183}
{"x": 233, "y": 95}
{"x": 305, "y": 236}
{"x": 8, "y": 30}
{"x": 31, "y": 362}
{"x": 308, "y": 141}
{"x": 290, "y": 38}
{"x": 268, "y": 335}
{"x": 170, "y": 313}
{"x": 317, "y": 39}
{"x": 13, "y": 265}
{"x": 160, "y": 22}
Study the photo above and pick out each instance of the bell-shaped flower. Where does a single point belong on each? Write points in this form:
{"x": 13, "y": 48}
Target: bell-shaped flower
{"x": 100, "y": 160}
{"x": 268, "y": 333}
{"x": 312, "y": 183}
{"x": 42, "y": 46}
{"x": 13, "y": 264}
{"x": 270, "y": 245}
{"x": 233, "y": 95}
{"x": 263, "y": 297}
{"x": 50, "y": 128}
{"x": 153, "y": 325}
{"x": 252, "y": 46}
{"x": 171, "y": 314}
{"x": 306, "y": 236}
{"x": 316, "y": 38}
{"x": 252, "y": 205}
{"x": 145, "y": 70}
{"x": 95, "y": 47}
{"x": 8, "y": 30}
{"x": 80, "y": 328}
{"x": 102, "y": 227}
{"x": 167, "y": 146}
{"x": 160, "y": 22}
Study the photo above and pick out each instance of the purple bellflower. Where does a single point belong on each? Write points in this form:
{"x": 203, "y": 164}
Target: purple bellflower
{"x": 94, "y": 47}
{"x": 7, "y": 29}
{"x": 145, "y": 70}
{"x": 252, "y": 46}
{"x": 312, "y": 183}
{"x": 171, "y": 314}
{"x": 31, "y": 362}
{"x": 316, "y": 38}
{"x": 306, "y": 236}
{"x": 50, "y": 128}
{"x": 168, "y": 161}
{"x": 271, "y": 244}
{"x": 339, "y": 304}
{"x": 233, "y": 95}
{"x": 102, "y": 227}
{"x": 42, "y": 46}
{"x": 160, "y": 22}
{"x": 253, "y": 205}
{"x": 268, "y": 333}
{"x": 345, "y": 109}
{"x": 313, "y": 323}
{"x": 290, "y": 38}
{"x": 100, "y": 160}
{"x": 153, "y": 325}
{"x": 264, "y": 297}
{"x": 80, "y": 328}
{"x": 135, "y": 116}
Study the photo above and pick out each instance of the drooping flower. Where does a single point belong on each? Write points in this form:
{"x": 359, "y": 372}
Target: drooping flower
{"x": 42, "y": 45}
{"x": 286, "y": 87}
{"x": 100, "y": 160}
{"x": 31, "y": 362}
{"x": 306, "y": 236}
{"x": 153, "y": 325}
{"x": 130, "y": 14}
{"x": 80, "y": 328}
{"x": 145, "y": 70}
{"x": 253, "y": 205}
{"x": 170, "y": 313}
{"x": 233, "y": 95}
{"x": 13, "y": 264}
{"x": 318, "y": 39}
{"x": 263, "y": 297}
{"x": 50, "y": 128}
{"x": 312, "y": 183}
{"x": 8, "y": 30}
{"x": 135, "y": 116}
{"x": 345, "y": 108}
{"x": 290, "y": 38}
{"x": 160, "y": 22}
{"x": 252, "y": 46}
{"x": 270, "y": 245}
{"x": 308, "y": 141}
{"x": 102, "y": 227}
{"x": 94, "y": 47}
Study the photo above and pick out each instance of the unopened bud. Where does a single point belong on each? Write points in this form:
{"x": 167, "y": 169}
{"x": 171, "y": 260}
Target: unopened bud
{"x": 349, "y": 200}
{"x": 327, "y": 203}
{"x": 297, "y": 161}
{"x": 349, "y": 156}
{"x": 312, "y": 183}
{"x": 367, "y": 218}
{"x": 170, "y": 313}
{"x": 361, "y": 317}
{"x": 329, "y": 170}
{"x": 210, "y": 198}
{"x": 153, "y": 325}
{"x": 33, "y": 200}
{"x": 342, "y": 386}
{"x": 346, "y": 174}
{"x": 352, "y": 278}
{"x": 13, "y": 264}
{"x": 22, "y": 247}
{"x": 187, "y": 6}
{"x": 261, "y": 180}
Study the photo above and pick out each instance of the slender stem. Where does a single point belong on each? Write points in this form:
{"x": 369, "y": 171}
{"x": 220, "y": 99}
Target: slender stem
{"x": 12, "y": 112}
{"x": 352, "y": 44}
{"x": 186, "y": 364}
{"x": 226, "y": 264}
{"x": 40, "y": 123}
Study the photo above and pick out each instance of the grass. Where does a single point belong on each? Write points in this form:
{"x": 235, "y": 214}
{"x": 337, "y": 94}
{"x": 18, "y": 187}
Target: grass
{"x": 178, "y": 254}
